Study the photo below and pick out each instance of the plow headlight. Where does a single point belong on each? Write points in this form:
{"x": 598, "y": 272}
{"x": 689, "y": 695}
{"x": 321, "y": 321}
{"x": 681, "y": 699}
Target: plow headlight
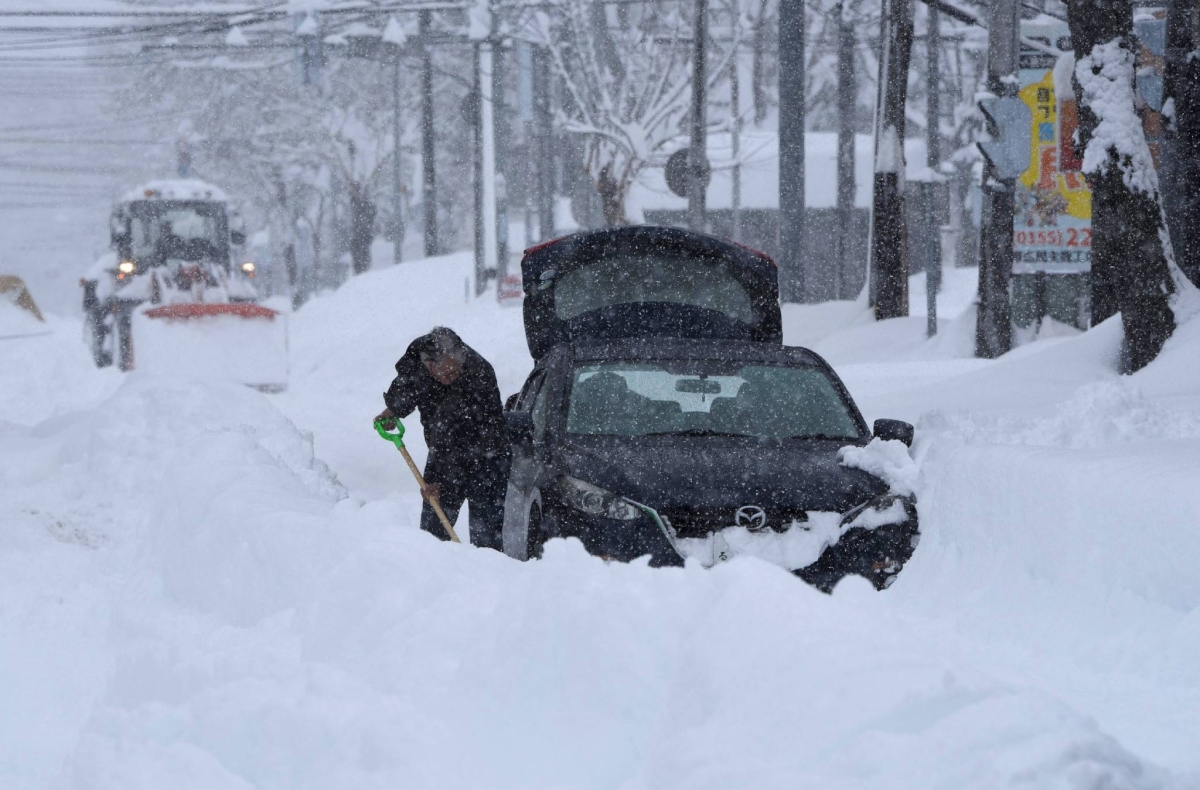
{"x": 125, "y": 267}
{"x": 596, "y": 501}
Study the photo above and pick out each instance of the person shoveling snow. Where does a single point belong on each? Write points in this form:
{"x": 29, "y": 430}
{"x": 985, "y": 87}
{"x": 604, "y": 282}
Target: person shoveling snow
{"x": 455, "y": 389}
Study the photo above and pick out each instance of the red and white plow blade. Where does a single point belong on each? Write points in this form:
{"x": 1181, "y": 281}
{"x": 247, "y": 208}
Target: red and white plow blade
{"x": 245, "y": 343}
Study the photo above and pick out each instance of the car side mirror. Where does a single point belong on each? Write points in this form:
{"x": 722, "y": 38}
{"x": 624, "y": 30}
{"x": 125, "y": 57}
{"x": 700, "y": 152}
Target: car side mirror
{"x": 894, "y": 429}
{"x": 520, "y": 426}
{"x": 511, "y": 401}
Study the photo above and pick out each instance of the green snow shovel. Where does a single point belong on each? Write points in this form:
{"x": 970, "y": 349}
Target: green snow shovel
{"x": 397, "y": 439}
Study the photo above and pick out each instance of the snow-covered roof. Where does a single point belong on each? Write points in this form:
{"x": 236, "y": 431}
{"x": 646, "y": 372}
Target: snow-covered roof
{"x": 177, "y": 189}
{"x": 760, "y": 172}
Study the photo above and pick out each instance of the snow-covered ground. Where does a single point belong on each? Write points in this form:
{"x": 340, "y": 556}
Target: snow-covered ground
{"x": 206, "y": 587}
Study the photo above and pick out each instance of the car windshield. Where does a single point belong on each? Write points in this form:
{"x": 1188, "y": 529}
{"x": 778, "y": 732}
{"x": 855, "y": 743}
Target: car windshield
{"x": 705, "y": 397}
{"x": 634, "y": 279}
{"x": 163, "y": 230}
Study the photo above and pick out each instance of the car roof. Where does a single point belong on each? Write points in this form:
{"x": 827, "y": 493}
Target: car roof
{"x": 670, "y": 348}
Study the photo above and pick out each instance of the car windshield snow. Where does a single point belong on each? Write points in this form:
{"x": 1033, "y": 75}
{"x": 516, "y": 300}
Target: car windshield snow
{"x": 637, "y": 279}
{"x": 707, "y": 398}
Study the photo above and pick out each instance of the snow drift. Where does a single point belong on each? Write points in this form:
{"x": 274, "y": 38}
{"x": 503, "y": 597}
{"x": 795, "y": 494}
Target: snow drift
{"x": 190, "y": 598}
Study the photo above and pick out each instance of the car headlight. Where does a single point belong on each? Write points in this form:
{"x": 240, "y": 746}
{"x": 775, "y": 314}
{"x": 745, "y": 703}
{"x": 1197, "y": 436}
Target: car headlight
{"x": 248, "y": 267}
{"x": 125, "y": 267}
{"x": 596, "y": 501}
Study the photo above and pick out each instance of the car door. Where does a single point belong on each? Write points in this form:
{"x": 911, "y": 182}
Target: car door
{"x": 523, "y": 473}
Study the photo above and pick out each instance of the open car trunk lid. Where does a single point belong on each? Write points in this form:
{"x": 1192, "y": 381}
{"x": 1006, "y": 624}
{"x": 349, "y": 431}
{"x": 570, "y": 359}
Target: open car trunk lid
{"x": 648, "y": 282}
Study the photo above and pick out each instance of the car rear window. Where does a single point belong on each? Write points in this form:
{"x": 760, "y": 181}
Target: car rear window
{"x": 702, "y": 397}
{"x": 634, "y": 279}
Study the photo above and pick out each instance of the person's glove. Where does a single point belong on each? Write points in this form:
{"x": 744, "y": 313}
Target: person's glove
{"x": 388, "y": 419}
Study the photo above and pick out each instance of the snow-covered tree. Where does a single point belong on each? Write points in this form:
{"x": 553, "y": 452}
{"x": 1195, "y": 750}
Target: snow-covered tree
{"x": 1133, "y": 268}
{"x": 625, "y": 73}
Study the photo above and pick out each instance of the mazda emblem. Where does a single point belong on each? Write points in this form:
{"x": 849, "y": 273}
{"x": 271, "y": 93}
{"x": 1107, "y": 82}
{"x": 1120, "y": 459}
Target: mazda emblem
{"x": 752, "y": 517}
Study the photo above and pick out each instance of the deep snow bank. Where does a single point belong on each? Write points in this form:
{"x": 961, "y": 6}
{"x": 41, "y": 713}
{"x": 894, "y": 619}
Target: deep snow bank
{"x": 48, "y": 371}
{"x": 187, "y": 601}
{"x": 232, "y": 623}
{"x": 1058, "y": 509}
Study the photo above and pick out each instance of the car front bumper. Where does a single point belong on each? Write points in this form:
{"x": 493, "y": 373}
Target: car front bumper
{"x": 873, "y": 540}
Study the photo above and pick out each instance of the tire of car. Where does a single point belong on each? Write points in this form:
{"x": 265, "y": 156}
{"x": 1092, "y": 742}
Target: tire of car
{"x": 534, "y": 537}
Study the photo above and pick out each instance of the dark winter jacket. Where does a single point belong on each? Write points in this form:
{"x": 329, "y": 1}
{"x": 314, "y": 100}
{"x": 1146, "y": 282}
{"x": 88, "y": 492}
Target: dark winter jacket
{"x": 464, "y": 419}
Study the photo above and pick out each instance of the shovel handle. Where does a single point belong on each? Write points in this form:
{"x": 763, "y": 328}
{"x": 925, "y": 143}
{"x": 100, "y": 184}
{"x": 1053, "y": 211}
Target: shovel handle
{"x": 437, "y": 507}
{"x": 397, "y": 439}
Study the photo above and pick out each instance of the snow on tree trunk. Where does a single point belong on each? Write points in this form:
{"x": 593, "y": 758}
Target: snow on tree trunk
{"x": 1181, "y": 156}
{"x": 1132, "y": 261}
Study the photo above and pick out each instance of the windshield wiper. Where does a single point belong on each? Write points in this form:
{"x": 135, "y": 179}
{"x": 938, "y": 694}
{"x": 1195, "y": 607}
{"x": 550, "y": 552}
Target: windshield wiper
{"x": 698, "y": 432}
{"x": 824, "y": 437}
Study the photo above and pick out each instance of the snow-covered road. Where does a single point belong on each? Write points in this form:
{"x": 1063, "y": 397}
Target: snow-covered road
{"x": 205, "y": 587}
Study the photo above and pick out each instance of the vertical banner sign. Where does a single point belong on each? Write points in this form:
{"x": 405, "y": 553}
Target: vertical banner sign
{"x": 1052, "y": 223}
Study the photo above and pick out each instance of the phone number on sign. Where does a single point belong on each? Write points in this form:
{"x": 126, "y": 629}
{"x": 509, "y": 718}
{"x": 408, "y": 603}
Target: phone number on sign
{"x": 1071, "y": 237}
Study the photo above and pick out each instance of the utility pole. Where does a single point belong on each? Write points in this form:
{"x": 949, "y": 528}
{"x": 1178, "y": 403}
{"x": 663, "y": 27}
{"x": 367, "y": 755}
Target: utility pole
{"x": 735, "y": 129}
{"x": 993, "y": 328}
{"x": 889, "y": 253}
{"x": 487, "y": 247}
{"x": 310, "y": 53}
{"x": 698, "y": 154}
{"x": 428, "y": 169}
{"x": 847, "y": 103}
{"x": 1181, "y": 152}
{"x": 791, "y": 151}
{"x": 500, "y": 138}
{"x": 480, "y": 223}
{"x": 397, "y": 184}
{"x": 543, "y": 120}
{"x": 933, "y": 157}
{"x": 393, "y": 41}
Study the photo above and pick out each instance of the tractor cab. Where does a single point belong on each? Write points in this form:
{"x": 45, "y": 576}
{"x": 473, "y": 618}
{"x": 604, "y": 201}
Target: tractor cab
{"x": 175, "y": 222}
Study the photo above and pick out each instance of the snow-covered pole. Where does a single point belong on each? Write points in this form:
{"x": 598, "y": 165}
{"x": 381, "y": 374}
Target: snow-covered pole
{"x": 544, "y": 133}
{"x": 487, "y": 247}
{"x": 698, "y": 153}
{"x": 309, "y": 52}
{"x": 428, "y": 132}
{"x": 889, "y": 254}
{"x": 993, "y": 326}
{"x": 791, "y": 150}
{"x": 933, "y": 157}
{"x": 500, "y": 138}
{"x": 735, "y": 126}
{"x": 847, "y": 102}
{"x": 393, "y": 35}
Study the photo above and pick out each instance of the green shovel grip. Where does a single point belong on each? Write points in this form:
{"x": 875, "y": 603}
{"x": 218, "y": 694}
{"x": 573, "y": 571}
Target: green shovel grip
{"x": 396, "y": 438}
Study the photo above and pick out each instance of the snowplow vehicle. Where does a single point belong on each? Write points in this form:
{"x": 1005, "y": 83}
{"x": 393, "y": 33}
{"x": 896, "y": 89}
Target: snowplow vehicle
{"x": 174, "y": 295}
{"x": 664, "y": 418}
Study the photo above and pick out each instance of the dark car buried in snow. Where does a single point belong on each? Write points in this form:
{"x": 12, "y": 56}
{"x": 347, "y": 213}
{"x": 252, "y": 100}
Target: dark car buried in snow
{"x": 664, "y": 417}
